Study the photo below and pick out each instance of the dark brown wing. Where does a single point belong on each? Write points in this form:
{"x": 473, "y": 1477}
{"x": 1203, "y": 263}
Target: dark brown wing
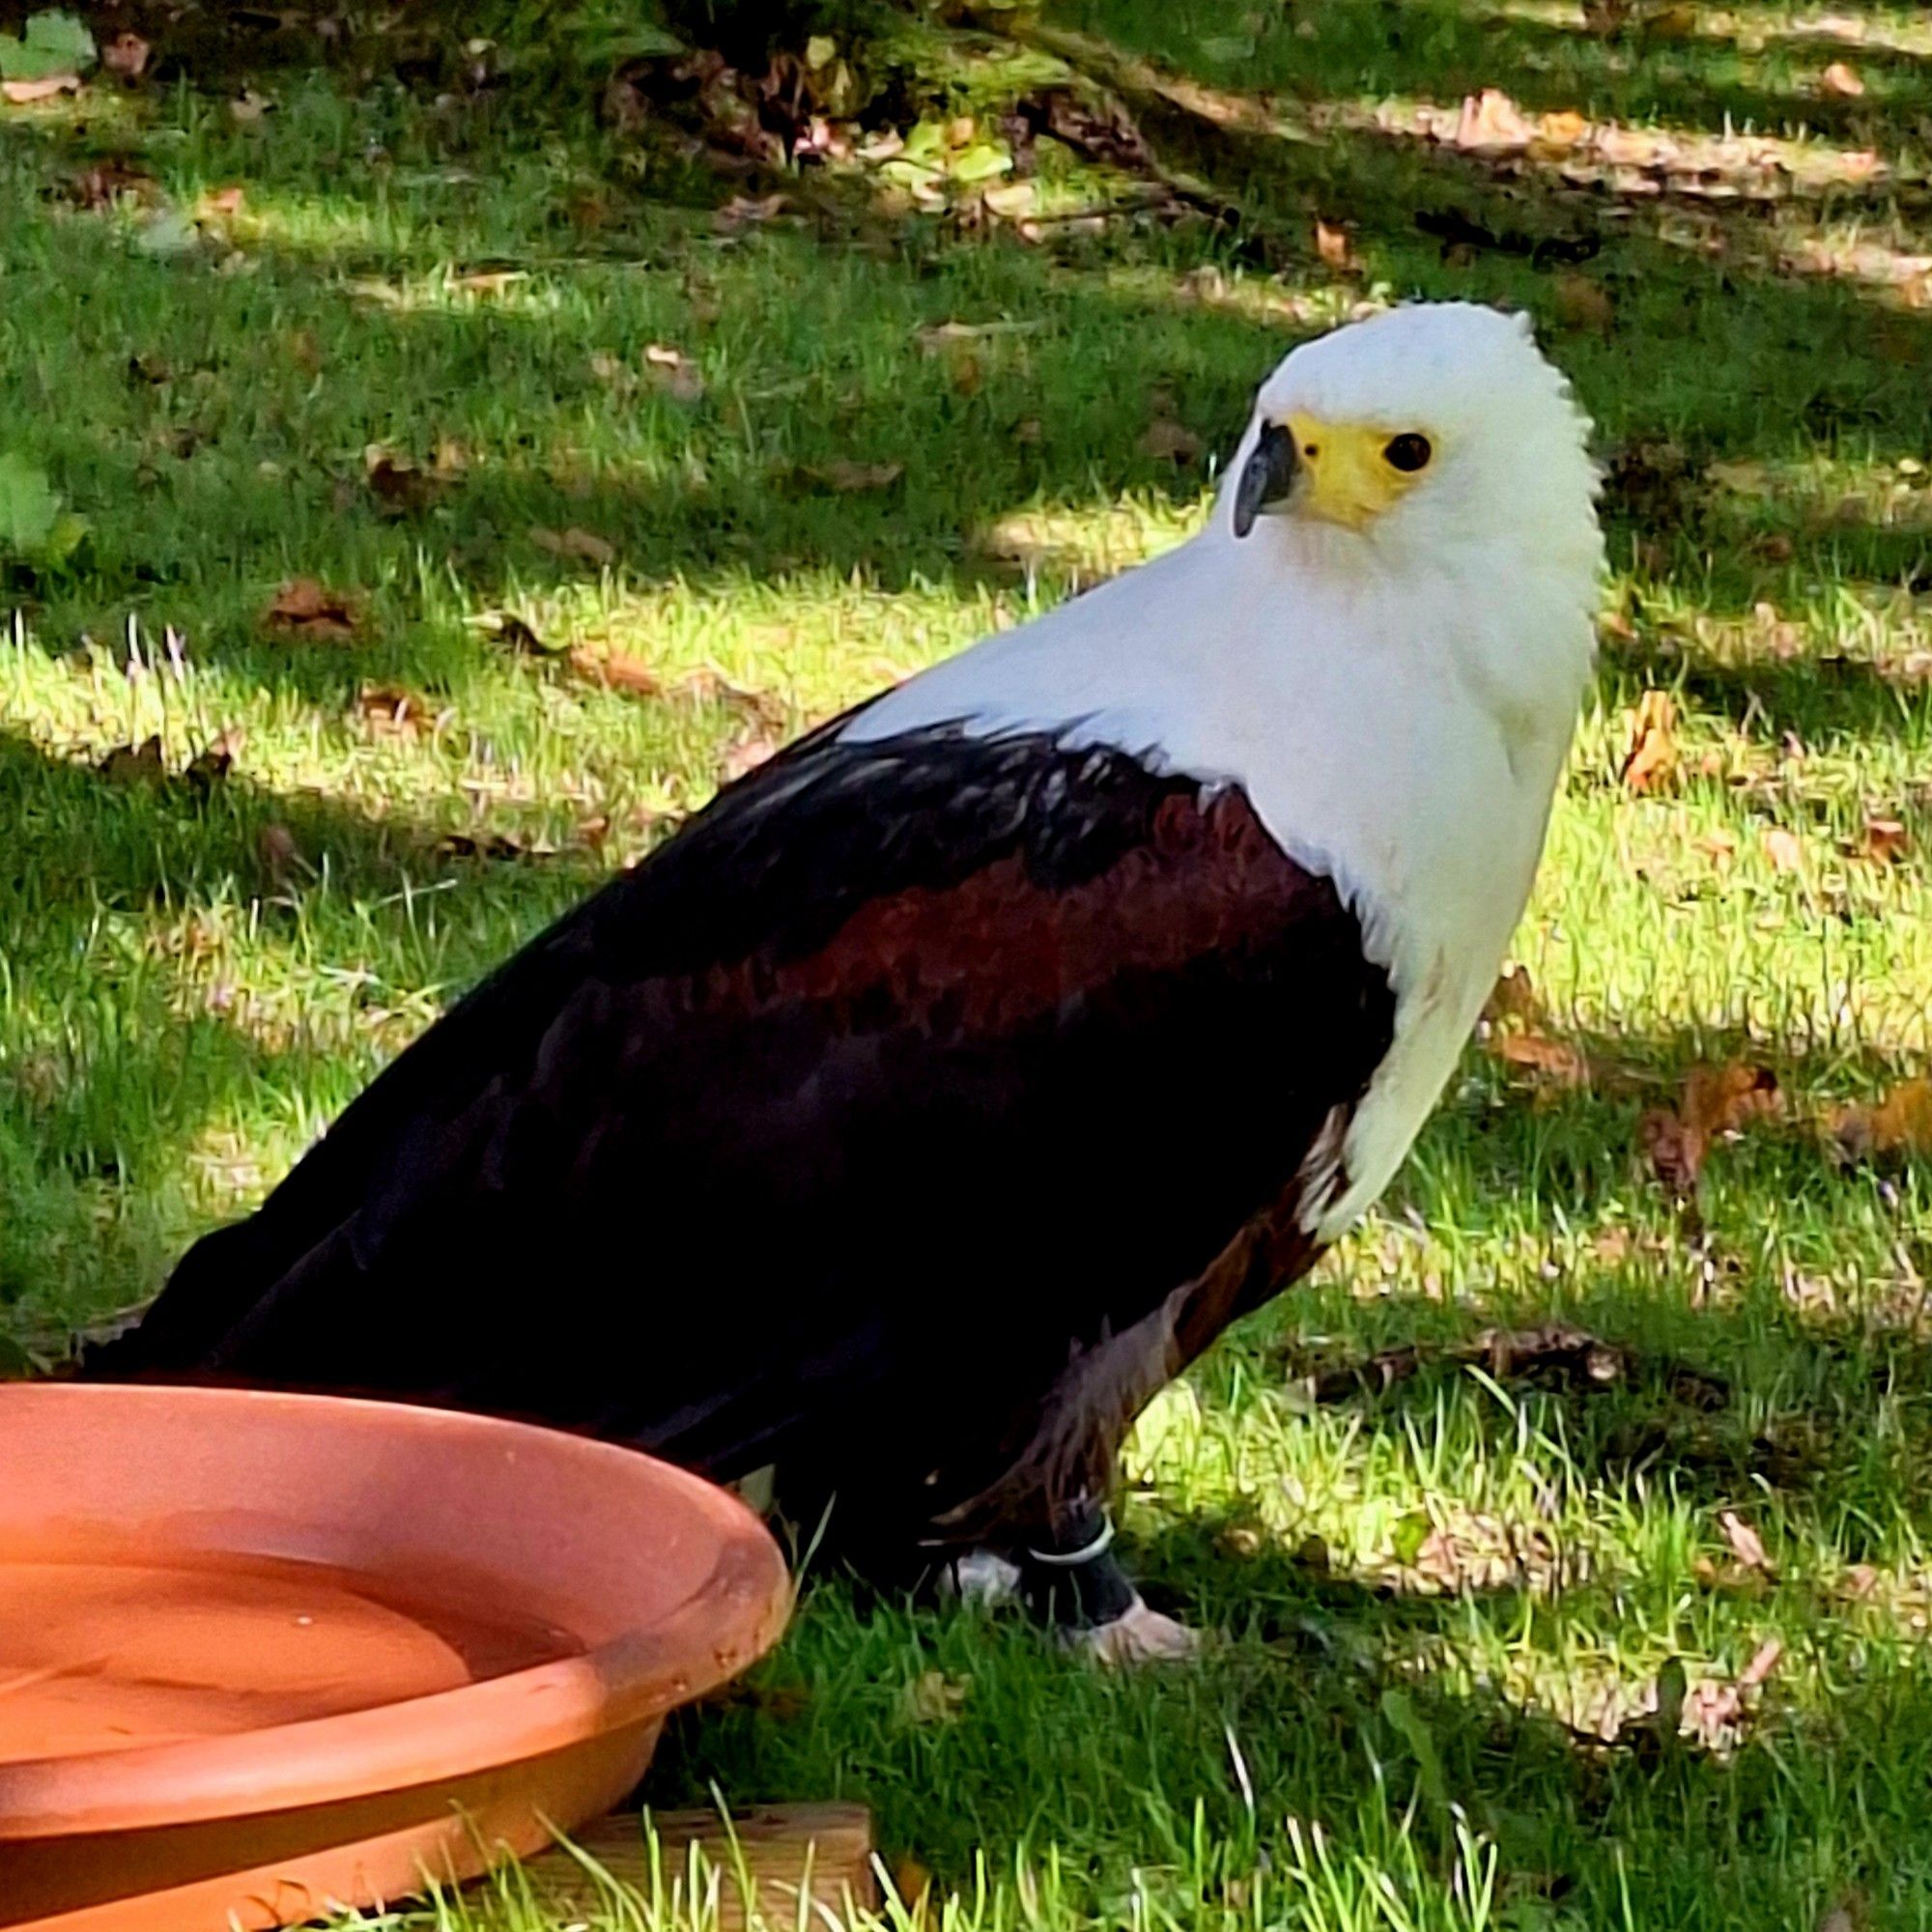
{"x": 906, "y": 1073}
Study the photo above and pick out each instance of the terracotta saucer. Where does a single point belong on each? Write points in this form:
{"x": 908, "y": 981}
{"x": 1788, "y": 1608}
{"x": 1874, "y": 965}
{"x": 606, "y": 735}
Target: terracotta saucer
{"x": 265, "y": 1656}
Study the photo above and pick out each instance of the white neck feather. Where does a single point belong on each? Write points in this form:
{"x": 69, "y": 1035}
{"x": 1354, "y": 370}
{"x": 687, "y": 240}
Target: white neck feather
{"x": 1398, "y": 727}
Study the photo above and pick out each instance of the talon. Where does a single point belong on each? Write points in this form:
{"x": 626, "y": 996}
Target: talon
{"x": 1140, "y": 1636}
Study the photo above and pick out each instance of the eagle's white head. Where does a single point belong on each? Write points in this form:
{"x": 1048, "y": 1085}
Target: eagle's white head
{"x": 1382, "y": 637}
{"x": 1437, "y": 433}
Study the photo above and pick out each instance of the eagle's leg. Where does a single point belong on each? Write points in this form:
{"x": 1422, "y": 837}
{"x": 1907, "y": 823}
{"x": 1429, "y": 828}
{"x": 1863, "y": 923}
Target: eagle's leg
{"x": 1072, "y": 1580}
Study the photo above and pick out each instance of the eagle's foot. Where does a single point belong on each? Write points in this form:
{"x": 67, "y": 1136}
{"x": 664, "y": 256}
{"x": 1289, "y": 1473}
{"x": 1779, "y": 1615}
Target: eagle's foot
{"x": 1139, "y": 1636}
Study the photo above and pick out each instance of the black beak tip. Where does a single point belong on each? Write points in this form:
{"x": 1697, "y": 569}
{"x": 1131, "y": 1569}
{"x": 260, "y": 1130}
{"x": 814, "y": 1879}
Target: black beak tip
{"x": 1266, "y": 477}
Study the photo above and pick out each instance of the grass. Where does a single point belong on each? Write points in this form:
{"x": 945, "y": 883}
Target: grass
{"x": 1422, "y": 1593}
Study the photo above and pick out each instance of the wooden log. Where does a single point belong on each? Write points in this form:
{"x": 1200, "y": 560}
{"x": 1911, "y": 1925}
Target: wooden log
{"x": 766, "y": 1858}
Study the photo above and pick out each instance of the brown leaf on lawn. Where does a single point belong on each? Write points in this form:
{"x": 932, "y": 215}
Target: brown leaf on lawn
{"x": 1492, "y": 123}
{"x": 27, "y": 93}
{"x": 1333, "y": 246}
{"x": 575, "y": 545}
{"x": 1746, "y": 1546}
{"x": 1555, "y": 1059}
{"x": 617, "y": 671}
{"x": 392, "y": 712}
{"x": 1782, "y": 849}
{"x": 1902, "y": 1123}
{"x": 1717, "y": 1100}
{"x": 302, "y": 609}
{"x": 399, "y": 483}
{"x": 1561, "y": 130}
{"x": 1722, "y": 1099}
{"x": 1719, "y": 847}
{"x": 1885, "y": 840}
{"x": 1651, "y": 762}
{"x": 1842, "y": 80}
{"x": 744, "y": 212}
{"x": 1713, "y": 1711}
{"x": 221, "y": 203}
{"x": 1512, "y": 998}
{"x": 1582, "y": 302}
{"x": 846, "y": 477}
{"x": 934, "y": 1698}
{"x": 126, "y": 54}
{"x": 1171, "y": 441}
{"x": 913, "y": 1884}
{"x": 674, "y": 373}
{"x": 134, "y": 764}
{"x": 103, "y": 182}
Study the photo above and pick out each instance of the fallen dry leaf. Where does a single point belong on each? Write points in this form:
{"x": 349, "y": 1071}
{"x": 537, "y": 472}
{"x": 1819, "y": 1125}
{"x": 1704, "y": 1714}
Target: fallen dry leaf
{"x": 126, "y": 54}
{"x": 1561, "y": 130}
{"x": 1717, "y": 1100}
{"x": 1512, "y": 998}
{"x": 934, "y": 1698}
{"x": 1651, "y": 762}
{"x": 1782, "y": 848}
{"x": 302, "y": 609}
{"x": 399, "y": 483}
{"x": 1722, "y": 1099}
{"x": 936, "y": 338}
{"x": 1746, "y": 1546}
{"x": 1582, "y": 302}
{"x": 1712, "y": 1712}
{"x": 1842, "y": 80}
{"x": 44, "y": 87}
{"x": 1167, "y": 441}
{"x": 743, "y": 212}
{"x": 1901, "y": 1123}
{"x": 846, "y": 476}
{"x": 1719, "y": 847}
{"x": 1492, "y": 123}
{"x": 577, "y": 546}
{"x": 392, "y": 712}
{"x": 1885, "y": 840}
{"x": 674, "y": 373}
{"x": 1555, "y": 1058}
{"x": 617, "y": 671}
{"x": 912, "y": 1884}
{"x": 103, "y": 182}
{"x": 220, "y": 204}
{"x": 1333, "y": 246}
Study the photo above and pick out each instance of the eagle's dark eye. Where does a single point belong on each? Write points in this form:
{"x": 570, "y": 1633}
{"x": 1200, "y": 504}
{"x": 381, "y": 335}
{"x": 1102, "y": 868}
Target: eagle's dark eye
{"x": 1409, "y": 452}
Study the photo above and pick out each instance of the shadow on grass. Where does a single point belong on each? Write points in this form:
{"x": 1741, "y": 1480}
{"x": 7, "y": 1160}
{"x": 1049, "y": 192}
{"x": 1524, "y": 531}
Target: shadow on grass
{"x": 811, "y": 345}
{"x": 145, "y": 1045}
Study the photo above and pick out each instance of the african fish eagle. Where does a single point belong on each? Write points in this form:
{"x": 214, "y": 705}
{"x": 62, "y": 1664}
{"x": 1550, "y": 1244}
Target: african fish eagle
{"x": 945, "y": 1087}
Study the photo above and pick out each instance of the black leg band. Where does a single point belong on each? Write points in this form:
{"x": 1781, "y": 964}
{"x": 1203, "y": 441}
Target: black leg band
{"x": 1077, "y": 1583}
